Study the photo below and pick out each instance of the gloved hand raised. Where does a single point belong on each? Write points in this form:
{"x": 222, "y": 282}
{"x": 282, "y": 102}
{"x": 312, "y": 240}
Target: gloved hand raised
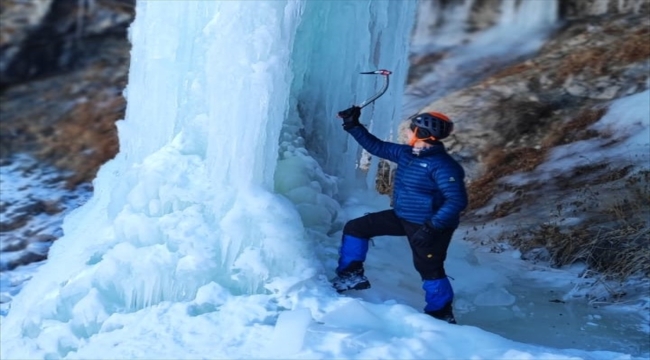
{"x": 425, "y": 236}
{"x": 350, "y": 117}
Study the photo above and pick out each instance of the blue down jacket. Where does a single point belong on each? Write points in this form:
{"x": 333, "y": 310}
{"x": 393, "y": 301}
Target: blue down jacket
{"x": 428, "y": 186}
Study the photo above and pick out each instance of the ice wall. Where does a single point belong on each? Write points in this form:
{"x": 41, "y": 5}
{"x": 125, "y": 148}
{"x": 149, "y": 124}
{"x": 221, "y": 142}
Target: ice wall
{"x": 230, "y": 140}
{"x": 335, "y": 42}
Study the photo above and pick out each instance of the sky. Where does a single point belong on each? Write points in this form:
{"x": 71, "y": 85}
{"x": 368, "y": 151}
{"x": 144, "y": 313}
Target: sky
{"x": 206, "y": 237}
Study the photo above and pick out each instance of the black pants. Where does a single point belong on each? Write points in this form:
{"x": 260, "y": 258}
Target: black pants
{"x": 428, "y": 261}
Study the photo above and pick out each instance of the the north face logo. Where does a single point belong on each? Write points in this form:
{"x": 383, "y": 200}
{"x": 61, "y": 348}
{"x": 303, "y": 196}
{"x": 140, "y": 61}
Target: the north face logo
{"x": 451, "y": 179}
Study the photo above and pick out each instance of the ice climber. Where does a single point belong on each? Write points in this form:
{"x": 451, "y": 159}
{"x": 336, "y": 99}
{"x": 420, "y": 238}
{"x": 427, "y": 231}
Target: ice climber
{"x": 428, "y": 196}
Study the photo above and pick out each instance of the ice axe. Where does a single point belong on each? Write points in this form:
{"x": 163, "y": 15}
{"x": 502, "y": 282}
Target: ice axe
{"x": 370, "y": 100}
{"x": 385, "y": 74}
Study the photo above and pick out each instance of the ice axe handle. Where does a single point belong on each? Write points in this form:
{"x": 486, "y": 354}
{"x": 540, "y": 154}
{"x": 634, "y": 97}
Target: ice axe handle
{"x": 386, "y": 74}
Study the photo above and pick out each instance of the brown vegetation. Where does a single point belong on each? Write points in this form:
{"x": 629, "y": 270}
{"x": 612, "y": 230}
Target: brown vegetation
{"x": 574, "y": 130}
{"x": 500, "y": 162}
{"x": 514, "y": 70}
{"x": 384, "y": 179}
{"x": 68, "y": 120}
{"x": 92, "y": 126}
{"x": 611, "y": 199}
{"x": 613, "y": 241}
{"x": 597, "y": 60}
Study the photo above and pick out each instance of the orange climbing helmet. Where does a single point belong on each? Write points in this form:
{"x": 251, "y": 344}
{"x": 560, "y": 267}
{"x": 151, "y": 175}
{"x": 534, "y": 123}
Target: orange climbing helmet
{"x": 431, "y": 126}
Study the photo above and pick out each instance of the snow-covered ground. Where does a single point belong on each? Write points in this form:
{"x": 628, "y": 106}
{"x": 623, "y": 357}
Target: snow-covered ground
{"x": 498, "y": 292}
{"x": 33, "y": 202}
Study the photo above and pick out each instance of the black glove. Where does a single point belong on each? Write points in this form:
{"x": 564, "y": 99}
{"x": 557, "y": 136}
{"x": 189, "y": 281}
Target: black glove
{"x": 350, "y": 117}
{"x": 424, "y": 237}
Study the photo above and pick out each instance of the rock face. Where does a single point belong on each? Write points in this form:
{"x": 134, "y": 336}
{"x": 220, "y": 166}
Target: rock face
{"x": 575, "y": 9}
{"x": 458, "y": 19}
{"x": 42, "y": 37}
{"x": 19, "y": 19}
{"x": 63, "y": 67}
{"x": 599, "y": 54}
{"x": 583, "y": 65}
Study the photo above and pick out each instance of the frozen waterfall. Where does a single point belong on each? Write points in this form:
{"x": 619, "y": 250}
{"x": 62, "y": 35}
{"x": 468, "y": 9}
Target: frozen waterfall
{"x": 230, "y": 137}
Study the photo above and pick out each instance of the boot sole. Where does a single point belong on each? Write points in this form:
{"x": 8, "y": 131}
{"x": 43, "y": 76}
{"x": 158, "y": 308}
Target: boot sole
{"x": 360, "y": 286}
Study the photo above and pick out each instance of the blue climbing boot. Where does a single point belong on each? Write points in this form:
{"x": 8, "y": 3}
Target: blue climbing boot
{"x": 351, "y": 278}
{"x": 349, "y": 272}
{"x": 444, "y": 314}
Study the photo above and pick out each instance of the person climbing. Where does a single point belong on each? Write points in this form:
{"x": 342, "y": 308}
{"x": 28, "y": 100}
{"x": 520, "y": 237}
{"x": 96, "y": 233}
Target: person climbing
{"x": 428, "y": 196}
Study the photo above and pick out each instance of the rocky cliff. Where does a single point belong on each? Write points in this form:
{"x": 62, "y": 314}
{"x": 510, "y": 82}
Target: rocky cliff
{"x": 63, "y": 67}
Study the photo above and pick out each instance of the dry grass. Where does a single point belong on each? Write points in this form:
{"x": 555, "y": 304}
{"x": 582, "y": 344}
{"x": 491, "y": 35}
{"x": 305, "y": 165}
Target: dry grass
{"x": 384, "y": 179}
{"x": 574, "y": 130}
{"x": 514, "y": 70}
{"x": 613, "y": 241}
{"x": 617, "y": 252}
{"x": 67, "y": 120}
{"x": 596, "y": 61}
{"x": 521, "y": 121}
{"x": 614, "y": 203}
{"x": 92, "y": 126}
{"x": 501, "y": 162}
{"x": 508, "y": 207}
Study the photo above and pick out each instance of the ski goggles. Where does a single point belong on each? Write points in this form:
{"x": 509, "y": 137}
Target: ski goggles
{"x": 415, "y": 137}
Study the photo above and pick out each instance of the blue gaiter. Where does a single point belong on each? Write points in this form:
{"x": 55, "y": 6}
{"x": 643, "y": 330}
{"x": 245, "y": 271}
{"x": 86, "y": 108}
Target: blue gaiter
{"x": 352, "y": 249}
{"x": 437, "y": 293}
